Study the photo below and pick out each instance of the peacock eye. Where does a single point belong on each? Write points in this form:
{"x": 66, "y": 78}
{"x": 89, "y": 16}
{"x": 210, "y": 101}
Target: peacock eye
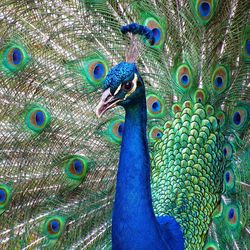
{"x": 127, "y": 86}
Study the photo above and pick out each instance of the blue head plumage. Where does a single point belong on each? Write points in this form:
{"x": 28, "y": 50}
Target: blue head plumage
{"x": 121, "y": 73}
{"x": 123, "y": 86}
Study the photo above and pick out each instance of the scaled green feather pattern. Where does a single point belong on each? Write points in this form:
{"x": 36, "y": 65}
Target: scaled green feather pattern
{"x": 187, "y": 171}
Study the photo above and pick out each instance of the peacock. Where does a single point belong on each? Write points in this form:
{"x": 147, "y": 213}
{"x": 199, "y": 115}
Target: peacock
{"x": 124, "y": 124}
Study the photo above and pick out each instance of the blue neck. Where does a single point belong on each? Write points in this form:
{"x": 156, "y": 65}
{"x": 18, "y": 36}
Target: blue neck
{"x": 134, "y": 224}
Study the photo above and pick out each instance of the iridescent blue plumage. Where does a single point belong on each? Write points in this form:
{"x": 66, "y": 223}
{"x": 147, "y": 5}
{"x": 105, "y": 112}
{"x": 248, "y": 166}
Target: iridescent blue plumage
{"x": 2, "y": 196}
{"x": 204, "y": 9}
{"x": 16, "y": 56}
{"x": 153, "y": 36}
{"x": 123, "y": 72}
{"x": 133, "y": 211}
{"x": 248, "y": 46}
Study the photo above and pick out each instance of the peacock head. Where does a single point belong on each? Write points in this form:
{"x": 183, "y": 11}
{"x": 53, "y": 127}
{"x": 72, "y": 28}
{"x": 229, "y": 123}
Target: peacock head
{"x": 123, "y": 86}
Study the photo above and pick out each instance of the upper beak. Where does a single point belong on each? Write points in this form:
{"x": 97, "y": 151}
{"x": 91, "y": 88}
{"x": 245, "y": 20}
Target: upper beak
{"x": 107, "y": 101}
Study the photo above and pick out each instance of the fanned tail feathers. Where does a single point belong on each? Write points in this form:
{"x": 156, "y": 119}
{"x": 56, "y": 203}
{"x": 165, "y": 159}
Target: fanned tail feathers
{"x": 59, "y": 162}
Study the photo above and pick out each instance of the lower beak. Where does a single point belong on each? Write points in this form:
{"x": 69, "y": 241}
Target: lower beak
{"x": 107, "y": 102}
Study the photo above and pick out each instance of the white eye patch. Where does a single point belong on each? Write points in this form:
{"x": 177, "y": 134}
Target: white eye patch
{"x": 118, "y": 89}
{"x": 134, "y": 81}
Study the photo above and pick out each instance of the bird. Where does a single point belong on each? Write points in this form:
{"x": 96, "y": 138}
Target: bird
{"x": 124, "y": 124}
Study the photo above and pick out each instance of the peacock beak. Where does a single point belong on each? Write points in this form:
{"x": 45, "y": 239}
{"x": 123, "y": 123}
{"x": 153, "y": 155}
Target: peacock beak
{"x": 107, "y": 101}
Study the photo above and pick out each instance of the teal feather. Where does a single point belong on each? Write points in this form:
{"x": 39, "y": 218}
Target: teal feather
{"x": 59, "y": 162}
{"x": 5, "y": 197}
